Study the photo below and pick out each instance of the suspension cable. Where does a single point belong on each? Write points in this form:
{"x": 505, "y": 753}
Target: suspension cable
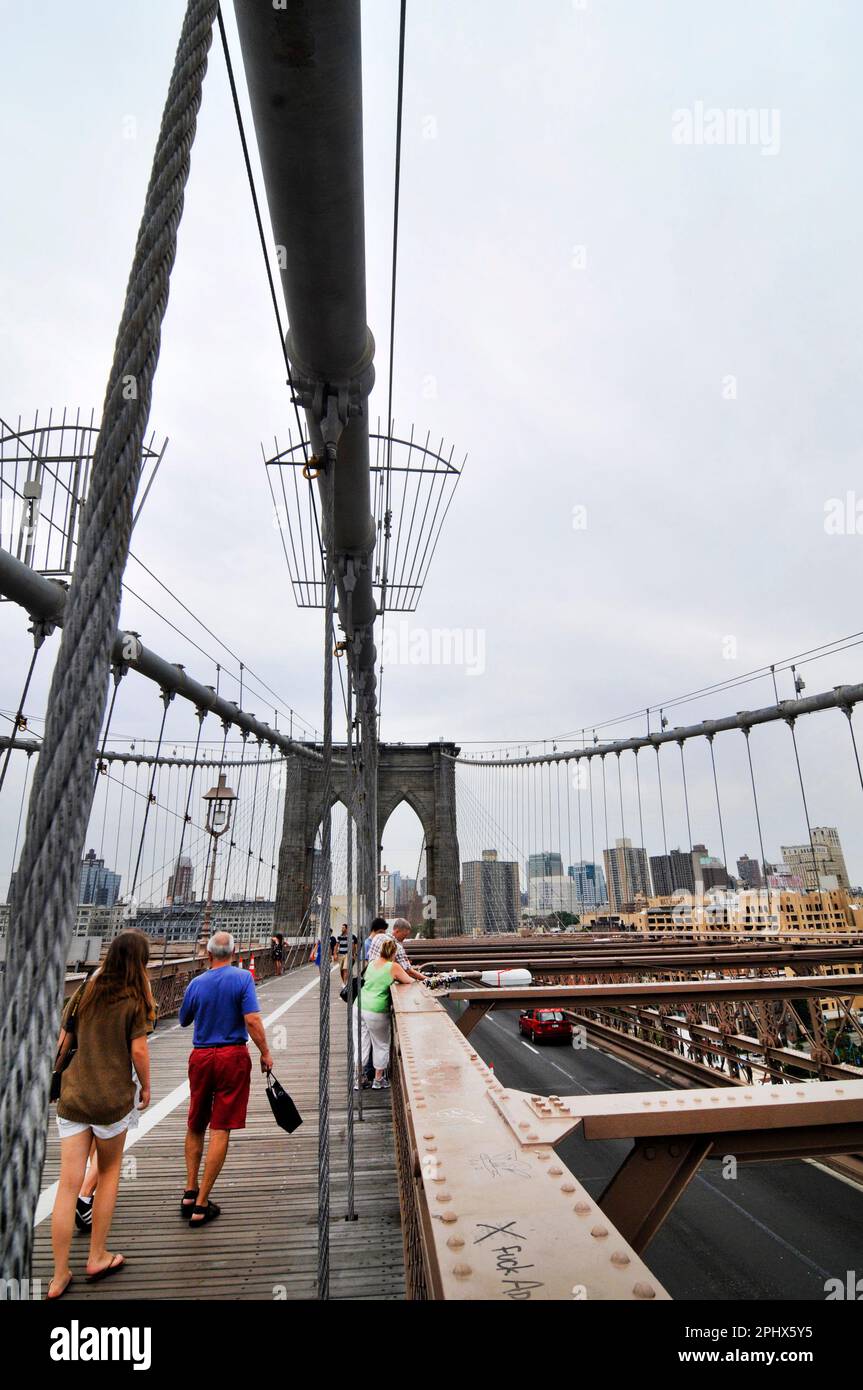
{"x": 167, "y": 697}
{"x": 757, "y": 812}
{"x": 326, "y": 885}
{"x": 19, "y": 721}
{"x": 389, "y": 463}
{"x": 718, "y": 803}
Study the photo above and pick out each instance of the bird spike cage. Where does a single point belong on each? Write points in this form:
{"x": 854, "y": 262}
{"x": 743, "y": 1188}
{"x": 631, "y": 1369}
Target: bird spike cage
{"x": 44, "y": 481}
{"x": 412, "y": 488}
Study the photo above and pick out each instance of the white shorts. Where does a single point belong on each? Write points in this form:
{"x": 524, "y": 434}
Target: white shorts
{"x": 67, "y": 1128}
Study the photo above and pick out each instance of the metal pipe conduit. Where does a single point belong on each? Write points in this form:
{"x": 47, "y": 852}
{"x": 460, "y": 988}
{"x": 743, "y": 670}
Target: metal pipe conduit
{"x": 843, "y": 697}
{"x": 45, "y": 601}
{"x": 303, "y": 72}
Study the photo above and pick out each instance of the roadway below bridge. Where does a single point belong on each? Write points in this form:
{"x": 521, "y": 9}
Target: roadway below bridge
{"x": 776, "y": 1231}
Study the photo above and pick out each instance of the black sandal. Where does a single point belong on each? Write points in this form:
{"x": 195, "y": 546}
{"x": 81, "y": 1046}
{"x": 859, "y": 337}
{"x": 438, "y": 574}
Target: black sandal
{"x": 207, "y": 1214}
{"x": 187, "y": 1206}
{"x": 117, "y": 1262}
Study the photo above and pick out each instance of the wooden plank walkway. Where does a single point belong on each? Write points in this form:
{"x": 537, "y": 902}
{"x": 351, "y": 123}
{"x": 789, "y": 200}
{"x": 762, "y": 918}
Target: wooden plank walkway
{"x": 264, "y": 1244}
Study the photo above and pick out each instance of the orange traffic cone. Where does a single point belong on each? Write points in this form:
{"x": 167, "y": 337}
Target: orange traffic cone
{"x": 239, "y": 962}
{"x": 252, "y": 966}
{"x": 491, "y": 1066}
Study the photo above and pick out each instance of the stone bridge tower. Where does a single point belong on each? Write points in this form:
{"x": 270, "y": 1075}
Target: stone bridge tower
{"x": 419, "y": 773}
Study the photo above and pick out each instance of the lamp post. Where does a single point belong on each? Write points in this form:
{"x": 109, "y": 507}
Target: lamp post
{"x": 220, "y": 805}
{"x": 384, "y": 888}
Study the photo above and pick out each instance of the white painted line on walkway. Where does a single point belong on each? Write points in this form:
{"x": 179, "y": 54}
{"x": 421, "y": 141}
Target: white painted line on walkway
{"x": 166, "y": 1106}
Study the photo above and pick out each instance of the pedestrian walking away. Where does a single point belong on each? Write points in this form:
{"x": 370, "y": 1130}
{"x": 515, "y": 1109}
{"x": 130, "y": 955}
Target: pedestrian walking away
{"x": 223, "y": 1005}
{"x": 107, "y": 1020}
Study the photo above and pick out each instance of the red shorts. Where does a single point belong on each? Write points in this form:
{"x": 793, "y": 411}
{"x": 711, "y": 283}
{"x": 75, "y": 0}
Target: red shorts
{"x": 219, "y": 1085}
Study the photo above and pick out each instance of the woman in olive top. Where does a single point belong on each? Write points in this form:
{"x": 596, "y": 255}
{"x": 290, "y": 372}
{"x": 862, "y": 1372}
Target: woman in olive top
{"x": 108, "y": 1020}
{"x": 381, "y": 974}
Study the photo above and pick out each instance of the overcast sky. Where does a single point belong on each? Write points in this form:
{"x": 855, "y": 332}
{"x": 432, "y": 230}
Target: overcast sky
{"x": 643, "y": 331}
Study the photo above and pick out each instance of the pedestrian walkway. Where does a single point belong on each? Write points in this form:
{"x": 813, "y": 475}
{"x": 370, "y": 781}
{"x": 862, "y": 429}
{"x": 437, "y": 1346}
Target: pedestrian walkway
{"x": 264, "y": 1244}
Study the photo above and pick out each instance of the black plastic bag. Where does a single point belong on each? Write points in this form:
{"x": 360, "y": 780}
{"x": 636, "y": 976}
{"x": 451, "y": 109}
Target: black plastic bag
{"x": 286, "y": 1114}
{"x": 343, "y": 992}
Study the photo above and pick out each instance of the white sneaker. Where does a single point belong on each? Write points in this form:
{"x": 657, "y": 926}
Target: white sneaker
{"x": 377, "y": 1085}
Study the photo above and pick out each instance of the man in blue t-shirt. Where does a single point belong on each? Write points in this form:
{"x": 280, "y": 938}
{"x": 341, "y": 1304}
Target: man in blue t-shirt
{"x": 223, "y": 1005}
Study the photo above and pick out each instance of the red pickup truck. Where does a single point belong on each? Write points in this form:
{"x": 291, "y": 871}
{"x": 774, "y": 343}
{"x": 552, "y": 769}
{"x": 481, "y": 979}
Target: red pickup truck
{"x": 545, "y": 1024}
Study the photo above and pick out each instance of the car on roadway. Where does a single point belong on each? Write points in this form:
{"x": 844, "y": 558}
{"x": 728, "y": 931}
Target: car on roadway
{"x": 545, "y": 1025}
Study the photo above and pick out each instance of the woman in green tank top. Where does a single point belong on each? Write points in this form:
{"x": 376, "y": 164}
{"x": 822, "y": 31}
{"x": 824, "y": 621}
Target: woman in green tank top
{"x": 374, "y": 1036}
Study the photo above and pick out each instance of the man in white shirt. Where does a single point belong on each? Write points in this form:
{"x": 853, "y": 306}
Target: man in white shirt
{"x": 400, "y": 931}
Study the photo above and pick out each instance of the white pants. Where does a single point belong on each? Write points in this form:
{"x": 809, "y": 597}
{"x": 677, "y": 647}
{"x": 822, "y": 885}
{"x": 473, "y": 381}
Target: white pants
{"x": 375, "y": 1039}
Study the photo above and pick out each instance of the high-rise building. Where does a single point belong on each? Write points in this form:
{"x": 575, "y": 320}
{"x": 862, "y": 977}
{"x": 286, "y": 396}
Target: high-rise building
{"x": 820, "y": 864}
{"x": 545, "y": 865}
{"x": 491, "y": 901}
{"x": 627, "y": 873}
{"x": 180, "y": 883}
{"x": 97, "y": 884}
{"x": 553, "y": 893}
{"x": 682, "y": 877}
{"x": 660, "y": 872}
{"x": 828, "y": 836}
{"x": 588, "y": 884}
{"x": 707, "y": 870}
{"x": 750, "y": 872}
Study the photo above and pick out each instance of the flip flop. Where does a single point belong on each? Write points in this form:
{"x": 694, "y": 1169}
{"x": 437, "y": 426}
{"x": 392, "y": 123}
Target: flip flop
{"x": 109, "y": 1269}
{"x": 52, "y": 1297}
{"x": 187, "y": 1206}
{"x": 207, "y": 1213}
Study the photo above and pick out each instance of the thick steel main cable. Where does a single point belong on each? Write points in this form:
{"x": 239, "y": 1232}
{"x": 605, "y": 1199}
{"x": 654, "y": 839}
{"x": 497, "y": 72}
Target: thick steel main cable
{"x": 46, "y": 888}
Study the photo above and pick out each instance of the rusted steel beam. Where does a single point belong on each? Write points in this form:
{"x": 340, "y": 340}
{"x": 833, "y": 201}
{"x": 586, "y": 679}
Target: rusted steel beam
{"x": 648, "y": 1183}
{"x": 675, "y": 1131}
{"x": 502, "y": 1218}
{"x": 707, "y": 960}
{"x": 473, "y": 1014}
{"x": 657, "y": 991}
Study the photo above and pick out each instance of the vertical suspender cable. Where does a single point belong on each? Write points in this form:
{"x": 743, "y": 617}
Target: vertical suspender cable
{"x": 718, "y": 803}
{"x": 353, "y": 965}
{"x": 612, "y": 862}
{"x": 326, "y": 888}
{"x": 38, "y": 638}
{"x": 849, "y": 710}
{"x": 806, "y": 813}
{"x": 623, "y": 850}
{"x": 640, "y": 816}
{"x": 662, "y": 808}
{"x": 186, "y": 819}
{"x": 746, "y": 732}
{"x": 166, "y": 700}
{"x": 685, "y": 796}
